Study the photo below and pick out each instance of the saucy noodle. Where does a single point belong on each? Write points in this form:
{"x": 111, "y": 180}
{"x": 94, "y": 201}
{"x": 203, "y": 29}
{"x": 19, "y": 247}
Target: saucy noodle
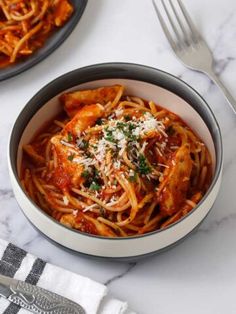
{"x": 25, "y": 26}
{"x": 115, "y": 165}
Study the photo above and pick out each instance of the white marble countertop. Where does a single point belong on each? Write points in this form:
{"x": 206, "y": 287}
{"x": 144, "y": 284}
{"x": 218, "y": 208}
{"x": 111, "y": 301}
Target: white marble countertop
{"x": 199, "y": 275}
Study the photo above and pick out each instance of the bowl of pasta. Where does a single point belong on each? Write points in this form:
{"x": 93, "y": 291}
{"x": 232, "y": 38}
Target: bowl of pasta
{"x": 30, "y": 30}
{"x": 116, "y": 160}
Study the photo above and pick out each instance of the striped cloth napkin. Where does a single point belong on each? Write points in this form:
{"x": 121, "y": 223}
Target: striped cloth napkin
{"x": 15, "y": 262}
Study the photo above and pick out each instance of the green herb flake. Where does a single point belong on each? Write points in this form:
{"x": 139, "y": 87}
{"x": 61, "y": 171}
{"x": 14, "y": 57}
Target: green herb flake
{"x": 69, "y": 137}
{"x": 127, "y": 118}
{"x": 95, "y": 186}
{"x": 85, "y": 174}
{"x": 99, "y": 121}
{"x": 132, "y": 126}
{"x": 96, "y": 176}
{"x": 84, "y": 144}
{"x": 121, "y": 125}
{"x": 133, "y": 137}
{"x": 143, "y": 166}
{"x": 71, "y": 157}
{"x": 110, "y": 138}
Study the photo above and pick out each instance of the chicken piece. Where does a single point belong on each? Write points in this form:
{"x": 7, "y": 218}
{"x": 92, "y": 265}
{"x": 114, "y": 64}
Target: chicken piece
{"x": 85, "y": 117}
{"x": 172, "y": 190}
{"x": 183, "y": 211}
{"x": 67, "y": 171}
{"x": 75, "y": 100}
{"x": 33, "y": 155}
{"x": 63, "y": 10}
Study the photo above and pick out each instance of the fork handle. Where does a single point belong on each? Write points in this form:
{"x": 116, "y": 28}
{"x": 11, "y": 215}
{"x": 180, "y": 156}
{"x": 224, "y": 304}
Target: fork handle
{"x": 231, "y": 100}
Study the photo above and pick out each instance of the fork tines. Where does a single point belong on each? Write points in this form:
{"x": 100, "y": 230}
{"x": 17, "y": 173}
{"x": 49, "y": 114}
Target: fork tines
{"x": 184, "y": 35}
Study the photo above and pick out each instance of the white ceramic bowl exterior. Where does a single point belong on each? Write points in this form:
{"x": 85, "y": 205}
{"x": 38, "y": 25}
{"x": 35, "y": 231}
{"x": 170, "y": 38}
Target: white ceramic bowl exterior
{"x": 119, "y": 247}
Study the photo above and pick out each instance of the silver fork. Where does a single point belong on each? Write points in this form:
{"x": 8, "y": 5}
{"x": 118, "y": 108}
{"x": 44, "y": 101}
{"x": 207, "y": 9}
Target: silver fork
{"x": 189, "y": 46}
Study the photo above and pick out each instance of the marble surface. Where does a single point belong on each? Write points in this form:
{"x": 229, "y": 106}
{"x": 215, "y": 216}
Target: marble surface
{"x": 199, "y": 275}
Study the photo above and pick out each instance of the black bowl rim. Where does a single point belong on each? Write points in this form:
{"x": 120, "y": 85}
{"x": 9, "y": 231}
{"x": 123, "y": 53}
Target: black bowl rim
{"x": 117, "y": 70}
{"x": 52, "y": 43}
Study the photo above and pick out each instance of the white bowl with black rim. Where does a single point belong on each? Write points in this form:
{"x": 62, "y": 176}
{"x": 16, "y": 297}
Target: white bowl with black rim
{"x": 145, "y": 82}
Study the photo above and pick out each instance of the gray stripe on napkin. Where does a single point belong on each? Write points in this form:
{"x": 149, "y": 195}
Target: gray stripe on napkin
{"x": 36, "y": 271}
{"x": 11, "y": 260}
{"x": 32, "y": 278}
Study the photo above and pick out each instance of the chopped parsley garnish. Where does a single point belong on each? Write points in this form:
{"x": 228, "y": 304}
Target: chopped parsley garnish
{"x": 127, "y": 130}
{"x": 127, "y": 118}
{"x": 95, "y": 186}
{"x": 69, "y": 137}
{"x": 133, "y": 137}
{"x": 71, "y": 157}
{"x": 91, "y": 176}
{"x": 96, "y": 174}
{"x": 121, "y": 125}
{"x": 83, "y": 144}
{"x": 109, "y": 136}
{"x": 132, "y": 126}
{"x": 85, "y": 174}
{"x": 99, "y": 121}
{"x": 143, "y": 166}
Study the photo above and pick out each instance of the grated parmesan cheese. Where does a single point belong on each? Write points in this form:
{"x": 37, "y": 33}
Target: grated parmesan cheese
{"x": 84, "y": 161}
{"x": 119, "y": 112}
{"x": 163, "y": 165}
{"x": 90, "y": 207}
{"x": 66, "y": 144}
{"x": 116, "y": 136}
{"x": 117, "y": 164}
{"x": 75, "y": 212}
{"x": 65, "y": 200}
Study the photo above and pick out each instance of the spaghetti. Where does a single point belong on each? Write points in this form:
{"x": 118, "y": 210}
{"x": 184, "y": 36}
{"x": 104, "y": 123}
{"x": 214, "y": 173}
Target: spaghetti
{"x": 25, "y": 26}
{"x": 115, "y": 165}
